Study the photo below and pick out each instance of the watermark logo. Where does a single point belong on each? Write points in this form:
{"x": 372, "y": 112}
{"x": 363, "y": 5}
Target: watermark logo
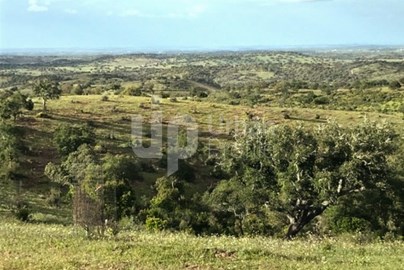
{"x": 180, "y": 142}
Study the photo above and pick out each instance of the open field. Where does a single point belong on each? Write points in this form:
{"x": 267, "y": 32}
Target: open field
{"x": 34, "y": 246}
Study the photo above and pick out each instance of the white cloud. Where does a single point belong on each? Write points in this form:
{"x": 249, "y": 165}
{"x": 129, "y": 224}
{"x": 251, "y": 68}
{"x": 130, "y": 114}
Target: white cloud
{"x": 34, "y": 6}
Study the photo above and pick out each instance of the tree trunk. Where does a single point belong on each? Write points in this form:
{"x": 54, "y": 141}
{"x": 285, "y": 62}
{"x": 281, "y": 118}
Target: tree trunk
{"x": 43, "y": 104}
{"x": 305, "y": 217}
{"x": 294, "y": 229}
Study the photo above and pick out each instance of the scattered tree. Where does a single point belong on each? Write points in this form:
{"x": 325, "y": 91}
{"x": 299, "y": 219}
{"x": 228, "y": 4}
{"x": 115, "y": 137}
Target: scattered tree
{"x": 46, "y": 90}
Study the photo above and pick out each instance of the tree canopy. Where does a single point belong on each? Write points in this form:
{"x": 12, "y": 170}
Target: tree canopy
{"x": 12, "y": 104}
{"x": 68, "y": 138}
{"x": 299, "y": 172}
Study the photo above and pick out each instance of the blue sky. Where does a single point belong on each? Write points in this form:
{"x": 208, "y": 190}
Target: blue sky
{"x": 210, "y": 24}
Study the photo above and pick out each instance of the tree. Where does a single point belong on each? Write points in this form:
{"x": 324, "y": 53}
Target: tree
{"x": 120, "y": 172}
{"x": 234, "y": 203}
{"x": 9, "y": 151}
{"x": 47, "y": 90}
{"x": 68, "y": 138}
{"x": 122, "y": 167}
{"x": 168, "y": 202}
{"x": 300, "y": 172}
{"x": 101, "y": 189}
{"x": 82, "y": 173}
{"x": 10, "y": 167}
{"x": 12, "y": 104}
{"x": 173, "y": 208}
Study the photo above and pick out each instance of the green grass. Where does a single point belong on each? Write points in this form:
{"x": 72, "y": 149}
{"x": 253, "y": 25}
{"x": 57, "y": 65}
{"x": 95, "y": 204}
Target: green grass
{"x": 33, "y": 246}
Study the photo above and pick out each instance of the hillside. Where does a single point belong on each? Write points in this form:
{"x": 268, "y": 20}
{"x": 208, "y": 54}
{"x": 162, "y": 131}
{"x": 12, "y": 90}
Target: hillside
{"x": 111, "y": 121}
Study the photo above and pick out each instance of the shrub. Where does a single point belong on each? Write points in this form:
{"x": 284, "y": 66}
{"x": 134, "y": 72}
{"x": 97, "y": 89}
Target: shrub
{"x": 185, "y": 171}
{"x": 119, "y": 200}
{"x": 394, "y": 85}
{"x": 254, "y": 224}
{"x": 308, "y": 98}
{"x": 133, "y": 91}
{"x": 22, "y": 211}
{"x": 322, "y": 100}
{"x": 68, "y": 138}
{"x": 77, "y": 90}
{"x": 54, "y": 197}
{"x": 147, "y": 167}
{"x": 155, "y": 224}
{"x": 234, "y": 102}
{"x": 121, "y": 167}
{"x": 100, "y": 148}
{"x": 351, "y": 224}
{"x": 10, "y": 147}
{"x": 29, "y": 105}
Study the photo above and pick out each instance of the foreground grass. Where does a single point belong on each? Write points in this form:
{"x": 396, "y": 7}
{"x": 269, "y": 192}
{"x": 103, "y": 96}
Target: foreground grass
{"x": 33, "y": 246}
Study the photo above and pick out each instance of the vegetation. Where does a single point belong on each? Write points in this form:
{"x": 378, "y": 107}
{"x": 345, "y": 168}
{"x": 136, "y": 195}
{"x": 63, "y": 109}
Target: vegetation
{"x": 303, "y": 146}
{"x": 46, "y": 89}
{"x": 299, "y": 173}
{"x": 54, "y": 246}
{"x": 68, "y": 138}
{"x": 13, "y": 103}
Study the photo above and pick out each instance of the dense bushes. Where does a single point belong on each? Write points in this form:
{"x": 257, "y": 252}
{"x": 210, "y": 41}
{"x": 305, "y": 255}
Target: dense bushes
{"x": 68, "y": 138}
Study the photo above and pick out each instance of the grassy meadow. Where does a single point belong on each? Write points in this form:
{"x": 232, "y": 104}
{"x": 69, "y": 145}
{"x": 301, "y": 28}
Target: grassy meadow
{"x": 39, "y": 246}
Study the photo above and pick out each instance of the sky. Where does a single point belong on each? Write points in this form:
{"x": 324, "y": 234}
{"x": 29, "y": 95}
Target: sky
{"x": 198, "y": 24}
